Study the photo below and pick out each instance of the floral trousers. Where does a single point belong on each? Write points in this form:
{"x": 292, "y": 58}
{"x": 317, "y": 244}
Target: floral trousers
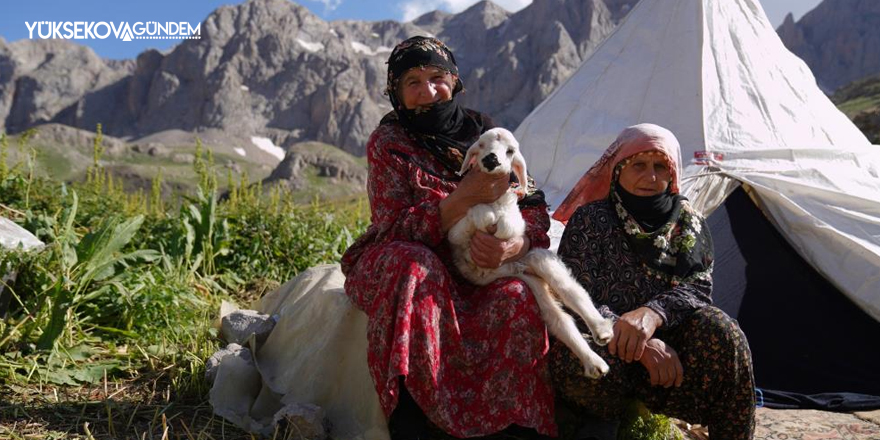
{"x": 717, "y": 391}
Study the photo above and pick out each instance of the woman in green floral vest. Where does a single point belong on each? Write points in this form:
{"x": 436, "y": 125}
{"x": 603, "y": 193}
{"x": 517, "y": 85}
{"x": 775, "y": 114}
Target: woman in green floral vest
{"x": 645, "y": 256}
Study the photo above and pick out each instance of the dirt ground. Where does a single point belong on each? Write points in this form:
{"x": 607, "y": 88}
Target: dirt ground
{"x": 774, "y": 424}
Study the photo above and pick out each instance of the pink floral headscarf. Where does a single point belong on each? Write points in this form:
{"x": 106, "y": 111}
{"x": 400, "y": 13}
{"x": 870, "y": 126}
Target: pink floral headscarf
{"x": 596, "y": 183}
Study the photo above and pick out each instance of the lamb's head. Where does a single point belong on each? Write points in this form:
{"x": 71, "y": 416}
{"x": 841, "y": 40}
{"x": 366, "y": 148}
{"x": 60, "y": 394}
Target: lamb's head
{"x": 497, "y": 152}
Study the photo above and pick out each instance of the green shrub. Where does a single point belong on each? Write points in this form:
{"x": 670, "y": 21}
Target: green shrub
{"x": 119, "y": 272}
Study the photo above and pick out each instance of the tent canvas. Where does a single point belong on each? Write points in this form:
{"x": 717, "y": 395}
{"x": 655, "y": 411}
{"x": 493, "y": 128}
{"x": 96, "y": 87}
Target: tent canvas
{"x": 716, "y": 74}
{"x": 814, "y": 343}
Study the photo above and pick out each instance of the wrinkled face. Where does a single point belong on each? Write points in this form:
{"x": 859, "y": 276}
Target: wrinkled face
{"x": 496, "y": 152}
{"x": 421, "y": 87}
{"x": 645, "y": 174}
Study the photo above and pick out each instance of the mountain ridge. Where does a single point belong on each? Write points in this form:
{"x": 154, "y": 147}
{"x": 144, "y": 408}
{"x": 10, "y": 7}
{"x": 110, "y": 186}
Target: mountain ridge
{"x": 271, "y": 68}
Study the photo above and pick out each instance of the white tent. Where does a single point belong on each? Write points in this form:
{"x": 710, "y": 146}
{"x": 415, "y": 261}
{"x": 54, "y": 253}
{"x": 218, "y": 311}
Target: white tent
{"x": 716, "y": 74}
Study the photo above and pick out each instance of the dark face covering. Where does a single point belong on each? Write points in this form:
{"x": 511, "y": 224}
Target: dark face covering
{"x": 650, "y": 212}
{"x": 445, "y": 129}
{"x": 441, "y": 118}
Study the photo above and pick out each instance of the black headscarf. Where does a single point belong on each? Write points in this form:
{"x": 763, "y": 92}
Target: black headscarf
{"x": 445, "y": 129}
{"x": 651, "y": 212}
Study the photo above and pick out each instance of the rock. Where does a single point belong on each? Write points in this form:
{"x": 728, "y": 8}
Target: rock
{"x": 238, "y": 326}
{"x": 304, "y": 421}
{"x": 839, "y": 40}
{"x": 41, "y": 80}
{"x": 69, "y": 137}
{"x": 323, "y": 168}
{"x": 153, "y": 149}
{"x": 183, "y": 158}
{"x": 234, "y": 166}
{"x": 213, "y": 363}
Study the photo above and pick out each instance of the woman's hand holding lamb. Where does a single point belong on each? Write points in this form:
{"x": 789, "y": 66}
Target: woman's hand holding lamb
{"x": 475, "y": 187}
{"x": 491, "y": 252}
{"x": 478, "y": 187}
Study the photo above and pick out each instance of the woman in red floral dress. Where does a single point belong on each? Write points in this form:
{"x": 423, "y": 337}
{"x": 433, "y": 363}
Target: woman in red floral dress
{"x": 473, "y": 359}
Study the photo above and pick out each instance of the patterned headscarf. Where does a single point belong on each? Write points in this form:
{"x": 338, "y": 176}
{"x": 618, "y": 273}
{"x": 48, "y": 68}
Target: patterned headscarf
{"x": 420, "y": 52}
{"x": 446, "y": 129}
{"x": 596, "y": 183}
{"x": 677, "y": 248}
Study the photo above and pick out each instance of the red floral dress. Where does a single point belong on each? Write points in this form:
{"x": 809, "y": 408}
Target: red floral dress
{"x": 474, "y": 358}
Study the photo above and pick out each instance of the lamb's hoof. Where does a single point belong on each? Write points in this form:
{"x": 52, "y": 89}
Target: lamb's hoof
{"x": 595, "y": 369}
{"x": 603, "y": 332}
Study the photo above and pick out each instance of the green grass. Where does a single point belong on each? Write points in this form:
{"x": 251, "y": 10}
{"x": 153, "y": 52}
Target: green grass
{"x": 69, "y": 163}
{"x": 109, "y": 324}
{"x": 861, "y": 104}
{"x": 858, "y": 97}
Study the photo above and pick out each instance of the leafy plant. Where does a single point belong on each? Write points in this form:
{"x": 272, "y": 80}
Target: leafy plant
{"x": 4, "y": 156}
{"x": 641, "y": 424}
{"x": 88, "y": 267}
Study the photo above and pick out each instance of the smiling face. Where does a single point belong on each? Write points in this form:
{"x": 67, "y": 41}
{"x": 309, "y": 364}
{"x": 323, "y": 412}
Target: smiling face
{"x": 422, "y": 87}
{"x": 645, "y": 174}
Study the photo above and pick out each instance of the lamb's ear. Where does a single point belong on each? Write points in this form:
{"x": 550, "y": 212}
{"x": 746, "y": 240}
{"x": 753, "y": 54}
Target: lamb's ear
{"x": 469, "y": 158}
{"x": 518, "y": 163}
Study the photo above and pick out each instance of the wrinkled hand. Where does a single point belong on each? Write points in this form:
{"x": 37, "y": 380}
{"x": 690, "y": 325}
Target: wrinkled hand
{"x": 479, "y": 187}
{"x": 632, "y": 331}
{"x": 663, "y": 364}
{"x": 490, "y": 252}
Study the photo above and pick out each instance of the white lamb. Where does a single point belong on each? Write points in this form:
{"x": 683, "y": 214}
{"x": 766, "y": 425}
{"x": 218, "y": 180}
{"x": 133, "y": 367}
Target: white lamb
{"x": 497, "y": 152}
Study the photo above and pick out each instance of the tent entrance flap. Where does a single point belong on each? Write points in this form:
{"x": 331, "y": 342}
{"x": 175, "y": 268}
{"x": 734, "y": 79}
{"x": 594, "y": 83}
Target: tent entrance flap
{"x": 806, "y": 337}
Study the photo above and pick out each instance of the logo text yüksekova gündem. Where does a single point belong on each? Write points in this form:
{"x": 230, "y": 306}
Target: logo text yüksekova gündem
{"x": 87, "y": 30}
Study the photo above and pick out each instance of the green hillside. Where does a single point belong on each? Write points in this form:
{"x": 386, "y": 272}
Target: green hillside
{"x": 860, "y": 101}
{"x": 66, "y": 153}
{"x": 319, "y": 171}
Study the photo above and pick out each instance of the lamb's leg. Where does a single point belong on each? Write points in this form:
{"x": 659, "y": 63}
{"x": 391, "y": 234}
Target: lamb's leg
{"x": 562, "y": 326}
{"x": 547, "y": 266}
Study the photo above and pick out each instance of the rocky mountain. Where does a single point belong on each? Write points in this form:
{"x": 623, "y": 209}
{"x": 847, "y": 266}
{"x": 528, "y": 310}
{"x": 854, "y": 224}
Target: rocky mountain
{"x": 41, "y": 79}
{"x": 839, "y": 40}
{"x": 313, "y": 169}
{"x": 271, "y": 68}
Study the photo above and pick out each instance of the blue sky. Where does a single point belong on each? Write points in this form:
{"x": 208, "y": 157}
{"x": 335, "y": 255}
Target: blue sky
{"x": 13, "y": 18}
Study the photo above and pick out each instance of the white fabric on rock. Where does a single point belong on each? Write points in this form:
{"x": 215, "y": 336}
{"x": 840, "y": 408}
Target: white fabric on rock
{"x": 316, "y": 354}
{"x": 13, "y": 236}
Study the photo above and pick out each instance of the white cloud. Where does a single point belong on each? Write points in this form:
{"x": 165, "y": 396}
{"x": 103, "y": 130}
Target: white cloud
{"x": 414, "y": 8}
{"x": 329, "y": 5}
